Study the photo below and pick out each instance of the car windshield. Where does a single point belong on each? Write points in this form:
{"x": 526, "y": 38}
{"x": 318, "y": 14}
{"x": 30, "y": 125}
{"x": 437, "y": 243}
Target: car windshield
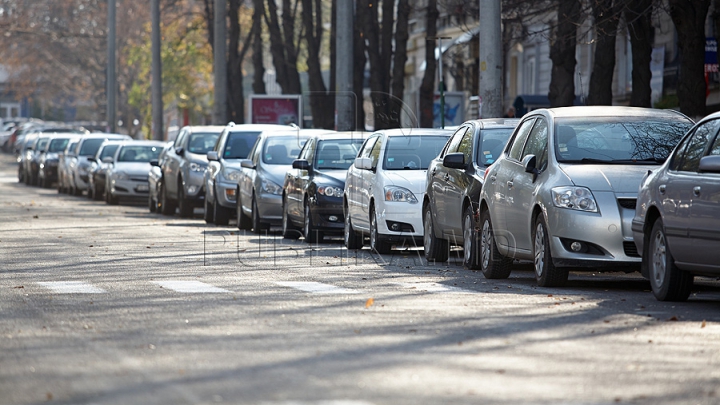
{"x": 337, "y": 153}
{"x": 238, "y": 144}
{"x": 202, "y": 142}
{"x": 139, "y": 153}
{"x": 58, "y": 145}
{"x": 492, "y": 143}
{"x": 71, "y": 147}
{"x": 412, "y": 152}
{"x": 41, "y": 144}
{"x": 619, "y": 140}
{"x": 108, "y": 151}
{"x": 90, "y": 146}
{"x": 282, "y": 150}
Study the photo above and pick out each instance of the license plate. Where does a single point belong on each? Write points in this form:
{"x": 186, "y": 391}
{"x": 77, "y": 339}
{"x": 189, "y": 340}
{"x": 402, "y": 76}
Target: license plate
{"x": 142, "y": 187}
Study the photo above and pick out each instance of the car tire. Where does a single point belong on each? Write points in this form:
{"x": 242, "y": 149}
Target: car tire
{"x": 244, "y": 222}
{"x": 288, "y": 230}
{"x": 471, "y": 248}
{"x": 221, "y": 215}
{"x": 167, "y": 207}
{"x": 90, "y": 193}
{"x": 377, "y": 243}
{"x": 353, "y": 240}
{"x": 152, "y": 206}
{"x": 184, "y": 206}
{"x": 257, "y": 225}
{"x": 21, "y": 175}
{"x": 546, "y": 273}
{"x": 209, "y": 213}
{"x": 110, "y": 199}
{"x": 98, "y": 195}
{"x": 668, "y": 282}
{"x": 435, "y": 249}
{"x": 312, "y": 234}
{"x": 492, "y": 263}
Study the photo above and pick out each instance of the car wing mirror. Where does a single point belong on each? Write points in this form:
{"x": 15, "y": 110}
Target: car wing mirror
{"x": 108, "y": 159}
{"x": 529, "y": 162}
{"x": 247, "y": 164}
{"x": 92, "y": 159}
{"x": 180, "y": 151}
{"x": 301, "y": 164}
{"x": 455, "y": 160}
{"x": 154, "y": 163}
{"x": 364, "y": 163}
{"x": 710, "y": 164}
{"x": 212, "y": 156}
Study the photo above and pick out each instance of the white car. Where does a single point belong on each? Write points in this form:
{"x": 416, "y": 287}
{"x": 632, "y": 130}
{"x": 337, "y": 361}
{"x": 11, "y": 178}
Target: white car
{"x": 386, "y": 184}
{"x": 127, "y": 176}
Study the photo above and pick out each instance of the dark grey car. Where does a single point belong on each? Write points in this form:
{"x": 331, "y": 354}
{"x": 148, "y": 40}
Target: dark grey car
{"x": 677, "y": 219}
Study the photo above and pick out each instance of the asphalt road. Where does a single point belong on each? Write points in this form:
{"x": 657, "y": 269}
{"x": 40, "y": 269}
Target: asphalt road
{"x": 114, "y": 305}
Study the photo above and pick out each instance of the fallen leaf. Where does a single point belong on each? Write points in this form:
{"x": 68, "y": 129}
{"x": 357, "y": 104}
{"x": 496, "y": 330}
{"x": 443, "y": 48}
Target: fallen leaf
{"x": 369, "y": 302}
{"x": 22, "y": 286}
{"x": 703, "y": 324}
{"x": 35, "y": 216}
{"x": 673, "y": 319}
{"x": 549, "y": 295}
{"x": 49, "y": 396}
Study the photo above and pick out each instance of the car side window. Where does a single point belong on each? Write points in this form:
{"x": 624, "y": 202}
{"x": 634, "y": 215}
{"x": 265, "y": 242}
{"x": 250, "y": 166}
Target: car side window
{"x": 365, "y": 151}
{"x": 518, "y": 142}
{"x": 689, "y": 159}
{"x": 308, "y": 152}
{"x": 715, "y": 148}
{"x": 537, "y": 143}
{"x": 220, "y": 141}
{"x": 180, "y": 139}
{"x": 466, "y": 144}
{"x": 375, "y": 153}
{"x": 452, "y": 145}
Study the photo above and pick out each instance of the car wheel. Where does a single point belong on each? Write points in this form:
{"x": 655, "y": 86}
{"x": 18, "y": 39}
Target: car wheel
{"x": 435, "y": 249}
{"x": 353, "y": 240}
{"x": 152, "y": 206}
{"x": 21, "y": 175}
{"x": 312, "y": 234}
{"x": 184, "y": 206}
{"x": 492, "y": 263}
{"x": 209, "y": 213}
{"x": 471, "y": 249}
{"x": 668, "y": 282}
{"x": 546, "y": 274}
{"x": 243, "y": 221}
{"x": 221, "y": 214}
{"x": 90, "y": 193}
{"x": 110, "y": 199}
{"x": 288, "y": 230}
{"x": 166, "y": 207}
{"x": 377, "y": 244}
{"x": 60, "y": 187}
{"x": 257, "y": 225}
{"x": 98, "y": 194}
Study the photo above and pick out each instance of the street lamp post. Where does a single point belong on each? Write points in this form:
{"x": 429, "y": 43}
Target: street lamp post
{"x": 441, "y": 84}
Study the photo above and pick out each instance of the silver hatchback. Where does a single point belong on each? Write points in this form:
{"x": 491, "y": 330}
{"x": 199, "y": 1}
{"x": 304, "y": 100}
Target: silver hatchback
{"x": 563, "y": 192}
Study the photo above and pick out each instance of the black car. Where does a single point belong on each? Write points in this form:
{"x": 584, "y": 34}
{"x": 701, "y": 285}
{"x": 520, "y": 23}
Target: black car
{"x": 313, "y": 189}
{"x": 454, "y": 181}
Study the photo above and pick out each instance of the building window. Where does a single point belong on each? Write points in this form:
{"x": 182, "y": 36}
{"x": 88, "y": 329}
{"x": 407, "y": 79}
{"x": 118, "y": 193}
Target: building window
{"x": 529, "y": 74}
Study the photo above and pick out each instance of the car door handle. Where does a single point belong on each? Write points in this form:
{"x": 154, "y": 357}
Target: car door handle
{"x": 661, "y": 189}
{"x": 696, "y": 191}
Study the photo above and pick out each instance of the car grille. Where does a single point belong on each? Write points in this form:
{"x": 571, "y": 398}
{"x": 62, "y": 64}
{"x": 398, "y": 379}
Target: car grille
{"x": 628, "y": 203}
{"x": 630, "y": 249}
{"x": 142, "y": 179}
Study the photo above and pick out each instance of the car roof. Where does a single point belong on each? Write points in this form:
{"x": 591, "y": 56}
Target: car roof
{"x": 105, "y": 136}
{"x": 609, "y": 111}
{"x": 256, "y": 127}
{"x": 415, "y": 131}
{"x": 143, "y": 142}
{"x": 298, "y": 131}
{"x": 205, "y": 128}
{"x": 487, "y": 123}
{"x": 342, "y": 135}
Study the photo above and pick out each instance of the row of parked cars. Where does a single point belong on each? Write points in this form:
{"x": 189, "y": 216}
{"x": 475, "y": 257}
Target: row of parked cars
{"x": 610, "y": 188}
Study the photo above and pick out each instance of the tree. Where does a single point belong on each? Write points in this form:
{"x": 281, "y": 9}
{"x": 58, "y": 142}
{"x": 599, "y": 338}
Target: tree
{"x": 606, "y": 18}
{"x": 562, "y": 54}
{"x": 283, "y": 45}
{"x": 638, "y": 15}
{"x": 427, "y": 87}
{"x": 322, "y": 104}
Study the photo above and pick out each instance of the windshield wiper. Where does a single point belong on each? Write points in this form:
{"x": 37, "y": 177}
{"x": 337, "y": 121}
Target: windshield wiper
{"x": 646, "y": 160}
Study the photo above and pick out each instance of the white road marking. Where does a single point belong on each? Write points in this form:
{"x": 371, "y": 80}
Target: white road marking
{"x": 190, "y": 286}
{"x": 9, "y": 179}
{"x": 71, "y": 287}
{"x": 433, "y": 287}
{"x": 314, "y": 287}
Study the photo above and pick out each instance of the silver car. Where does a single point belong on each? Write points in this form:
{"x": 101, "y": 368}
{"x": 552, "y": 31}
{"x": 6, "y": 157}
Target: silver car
{"x": 79, "y": 174}
{"x": 127, "y": 176}
{"x": 563, "y": 192}
{"x": 677, "y": 220}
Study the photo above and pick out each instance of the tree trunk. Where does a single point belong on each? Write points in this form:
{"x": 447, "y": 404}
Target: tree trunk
{"x": 562, "y": 54}
{"x": 359, "y": 60}
{"x": 400, "y": 58}
{"x": 235, "y": 95}
{"x": 283, "y": 53}
{"x": 427, "y": 88}
{"x": 606, "y": 18}
{"x": 379, "y": 72}
{"x": 689, "y": 19}
{"x": 638, "y": 14}
{"x": 320, "y": 101}
{"x": 258, "y": 66}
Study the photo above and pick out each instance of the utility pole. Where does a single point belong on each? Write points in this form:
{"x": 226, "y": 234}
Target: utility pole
{"x": 158, "y": 132}
{"x": 491, "y": 63}
{"x": 344, "y": 100}
{"x": 441, "y": 80}
{"x": 220, "y": 62}
{"x": 111, "y": 70}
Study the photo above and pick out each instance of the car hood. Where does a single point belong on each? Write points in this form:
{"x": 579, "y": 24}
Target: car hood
{"x": 413, "y": 180}
{"x": 331, "y": 177}
{"x": 619, "y": 179}
{"x": 139, "y": 168}
{"x": 274, "y": 173}
{"x": 198, "y": 158}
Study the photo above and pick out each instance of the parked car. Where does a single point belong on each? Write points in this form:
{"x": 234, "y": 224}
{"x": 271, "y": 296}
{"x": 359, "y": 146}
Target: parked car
{"x": 155, "y": 179}
{"x": 24, "y": 152}
{"x": 386, "y": 184}
{"x": 313, "y": 187}
{"x": 259, "y": 185}
{"x": 183, "y": 168}
{"x": 127, "y": 176}
{"x": 454, "y": 181}
{"x": 98, "y": 169}
{"x": 563, "y": 192}
{"x": 677, "y": 221}
{"x": 50, "y": 158}
{"x": 223, "y": 172}
{"x": 31, "y": 163}
{"x": 65, "y": 158}
{"x": 79, "y": 174}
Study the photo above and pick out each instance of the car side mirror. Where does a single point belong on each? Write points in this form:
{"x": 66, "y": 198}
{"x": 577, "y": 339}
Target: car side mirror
{"x": 529, "y": 162}
{"x": 247, "y": 164}
{"x": 364, "y": 163}
{"x": 212, "y": 156}
{"x": 92, "y": 159}
{"x": 154, "y": 163}
{"x": 180, "y": 151}
{"x": 455, "y": 160}
{"x": 710, "y": 164}
{"x": 301, "y": 164}
{"x": 108, "y": 159}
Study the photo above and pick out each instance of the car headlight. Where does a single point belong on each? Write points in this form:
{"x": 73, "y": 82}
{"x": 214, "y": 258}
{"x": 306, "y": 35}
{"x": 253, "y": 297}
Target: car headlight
{"x": 330, "y": 191}
{"x": 400, "y": 194}
{"x": 231, "y": 174}
{"x": 574, "y": 198}
{"x": 120, "y": 176}
{"x": 271, "y": 188}
{"x": 196, "y": 167}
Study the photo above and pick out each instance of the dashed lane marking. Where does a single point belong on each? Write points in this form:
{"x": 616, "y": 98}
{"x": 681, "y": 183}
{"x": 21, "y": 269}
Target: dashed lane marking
{"x": 189, "y": 286}
{"x": 317, "y": 288}
{"x": 71, "y": 287}
{"x": 433, "y": 287}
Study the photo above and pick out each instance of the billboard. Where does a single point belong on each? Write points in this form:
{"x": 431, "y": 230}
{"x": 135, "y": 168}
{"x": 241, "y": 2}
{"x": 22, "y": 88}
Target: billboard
{"x": 454, "y": 109}
{"x": 282, "y": 109}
